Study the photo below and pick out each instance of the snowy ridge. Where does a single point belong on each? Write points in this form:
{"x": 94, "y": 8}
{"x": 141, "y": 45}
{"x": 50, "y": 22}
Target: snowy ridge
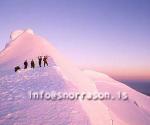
{"x": 16, "y": 34}
{"x": 61, "y": 75}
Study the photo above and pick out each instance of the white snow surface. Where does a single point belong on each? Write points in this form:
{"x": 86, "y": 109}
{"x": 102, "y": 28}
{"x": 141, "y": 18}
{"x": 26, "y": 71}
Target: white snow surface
{"x": 17, "y": 33}
{"x": 61, "y": 75}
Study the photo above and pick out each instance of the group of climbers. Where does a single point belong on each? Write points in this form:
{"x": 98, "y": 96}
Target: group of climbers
{"x": 45, "y": 58}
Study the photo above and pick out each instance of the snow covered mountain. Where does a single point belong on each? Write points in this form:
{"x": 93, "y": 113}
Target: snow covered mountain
{"x": 61, "y": 75}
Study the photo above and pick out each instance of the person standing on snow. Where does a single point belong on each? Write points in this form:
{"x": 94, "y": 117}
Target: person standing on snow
{"x": 32, "y": 64}
{"x": 25, "y": 64}
{"x": 40, "y": 60}
{"x": 45, "y": 60}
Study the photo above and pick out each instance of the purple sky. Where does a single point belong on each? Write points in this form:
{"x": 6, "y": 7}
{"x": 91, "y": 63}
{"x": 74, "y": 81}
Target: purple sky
{"x": 111, "y": 35}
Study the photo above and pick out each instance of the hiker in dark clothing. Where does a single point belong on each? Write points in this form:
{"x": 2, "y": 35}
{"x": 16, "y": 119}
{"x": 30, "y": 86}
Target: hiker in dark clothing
{"x": 40, "y": 60}
{"x": 45, "y": 60}
{"x": 32, "y": 64}
{"x": 17, "y": 68}
{"x": 25, "y": 64}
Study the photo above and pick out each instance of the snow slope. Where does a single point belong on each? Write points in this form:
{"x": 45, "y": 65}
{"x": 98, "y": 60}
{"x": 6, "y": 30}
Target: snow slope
{"x": 135, "y": 111}
{"x": 61, "y": 75}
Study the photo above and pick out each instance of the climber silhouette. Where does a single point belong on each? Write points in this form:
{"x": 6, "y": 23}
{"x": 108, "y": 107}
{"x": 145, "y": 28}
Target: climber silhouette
{"x": 32, "y": 64}
{"x": 17, "y": 68}
{"x": 40, "y": 60}
{"x": 45, "y": 60}
{"x": 25, "y": 64}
